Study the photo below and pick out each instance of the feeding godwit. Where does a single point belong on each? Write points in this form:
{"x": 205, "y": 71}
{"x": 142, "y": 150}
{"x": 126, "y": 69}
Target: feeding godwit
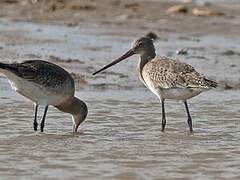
{"x": 166, "y": 78}
{"x": 46, "y": 84}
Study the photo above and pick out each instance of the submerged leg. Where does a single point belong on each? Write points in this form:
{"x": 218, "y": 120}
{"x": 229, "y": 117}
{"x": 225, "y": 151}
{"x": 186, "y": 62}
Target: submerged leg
{"x": 189, "y": 117}
{"x": 35, "y": 124}
{"x": 43, "y": 118}
{"x": 163, "y": 116}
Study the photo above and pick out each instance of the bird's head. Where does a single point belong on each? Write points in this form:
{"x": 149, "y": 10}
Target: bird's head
{"x": 80, "y": 113}
{"x": 143, "y": 46}
{"x": 77, "y": 108}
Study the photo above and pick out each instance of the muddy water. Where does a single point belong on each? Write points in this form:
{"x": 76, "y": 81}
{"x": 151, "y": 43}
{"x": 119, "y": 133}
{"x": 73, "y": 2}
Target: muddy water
{"x": 121, "y": 138}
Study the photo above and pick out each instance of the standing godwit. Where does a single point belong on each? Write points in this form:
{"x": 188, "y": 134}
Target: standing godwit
{"x": 166, "y": 78}
{"x": 46, "y": 84}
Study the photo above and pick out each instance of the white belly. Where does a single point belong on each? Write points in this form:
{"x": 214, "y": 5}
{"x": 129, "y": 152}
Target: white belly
{"x": 172, "y": 93}
{"x": 179, "y": 93}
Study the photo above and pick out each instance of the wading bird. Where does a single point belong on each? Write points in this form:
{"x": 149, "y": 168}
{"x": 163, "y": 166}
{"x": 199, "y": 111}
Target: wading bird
{"x": 46, "y": 84}
{"x": 166, "y": 78}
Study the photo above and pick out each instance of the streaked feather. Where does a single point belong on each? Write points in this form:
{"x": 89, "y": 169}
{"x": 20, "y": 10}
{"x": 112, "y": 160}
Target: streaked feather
{"x": 167, "y": 73}
{"x": 41, "y": 72}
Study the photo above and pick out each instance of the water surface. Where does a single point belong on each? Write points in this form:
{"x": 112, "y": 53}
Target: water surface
{"x": 121, "y": 138}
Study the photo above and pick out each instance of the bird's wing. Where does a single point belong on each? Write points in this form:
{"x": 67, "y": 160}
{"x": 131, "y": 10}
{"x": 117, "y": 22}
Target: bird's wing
{"x": 40, "y": 72}
{"x": 168, "y": 73}
{"x": 25, "y": 70}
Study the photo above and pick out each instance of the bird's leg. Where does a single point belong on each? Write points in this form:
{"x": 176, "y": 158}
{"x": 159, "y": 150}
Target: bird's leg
{"x": 35, "y": 124}
{"x": 43, "y": 118}
{"x": 189, "y": 117}
{"x": 163, "y": 116}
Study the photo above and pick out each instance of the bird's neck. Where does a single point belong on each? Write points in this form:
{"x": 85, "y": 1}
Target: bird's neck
{"x": 73, "y": 106}
{"x": 144, "y": 59}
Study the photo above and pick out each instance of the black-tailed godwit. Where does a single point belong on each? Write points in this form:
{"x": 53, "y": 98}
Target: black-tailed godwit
{"x": 166, "y": 78}
{"x": 46, "y": 84}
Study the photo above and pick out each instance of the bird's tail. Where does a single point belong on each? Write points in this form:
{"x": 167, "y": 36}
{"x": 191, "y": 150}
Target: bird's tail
{"x": 3, "y": 66}
{"x": 210, "y": 83}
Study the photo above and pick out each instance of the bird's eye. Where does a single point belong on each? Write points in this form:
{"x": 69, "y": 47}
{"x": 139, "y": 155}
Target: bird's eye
{"x": 140, "y": 44}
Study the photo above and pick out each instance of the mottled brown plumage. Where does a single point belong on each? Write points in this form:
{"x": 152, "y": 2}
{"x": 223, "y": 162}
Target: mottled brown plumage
{"x": 167, "y": 73}
{"x": 167, "y": 78}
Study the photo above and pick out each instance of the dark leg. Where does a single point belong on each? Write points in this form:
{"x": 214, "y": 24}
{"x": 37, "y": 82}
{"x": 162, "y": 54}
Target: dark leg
{"x": 189, "y": 117}
{"x": 35, "y": 124}
{"x": 43, "y": 118}
{"x": 163, "y": 116}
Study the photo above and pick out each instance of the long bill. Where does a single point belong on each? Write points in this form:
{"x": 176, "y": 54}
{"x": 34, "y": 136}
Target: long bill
{"x": 124, "y": 56}
{"x": 75, "y": 128}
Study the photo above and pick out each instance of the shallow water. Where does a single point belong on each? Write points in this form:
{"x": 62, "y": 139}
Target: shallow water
{"x": 95, "y": 46}
{"x": 121, "y": 138}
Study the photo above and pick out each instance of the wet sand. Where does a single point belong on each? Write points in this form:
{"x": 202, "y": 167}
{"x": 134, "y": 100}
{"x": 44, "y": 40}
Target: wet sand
{"x": 121, "y": 138}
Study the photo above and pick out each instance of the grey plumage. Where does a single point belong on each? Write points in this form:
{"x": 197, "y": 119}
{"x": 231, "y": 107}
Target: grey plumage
{"x": 41, "y": 72}
{"x": 46, "y": 84}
